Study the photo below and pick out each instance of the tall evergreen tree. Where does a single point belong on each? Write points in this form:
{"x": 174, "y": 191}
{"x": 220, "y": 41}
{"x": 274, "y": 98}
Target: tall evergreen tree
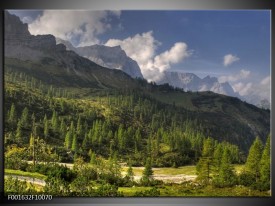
{"x": 68, "y": 140}
{"x": 130, "y": 174}
{"x": 148, "y": 171}
{"x": 226, "y": 176}
{"x": 12, "y": 114}
{"x": 54, "y": 120}
{"x": 79, "y": 127}
{"x": 92, "y": 157}
{"x": 254, "y": 158}
{"x": 24, "y": 117}
{"x": 18, "y": 133}
{"x": 74, "y": 143}
{"x": 62, "y": 128}
{"x": 32, "y": 148}
{"x": 217, "y": 158}
{"x": 205, "y": 164}
{"x": 265, "y": 166}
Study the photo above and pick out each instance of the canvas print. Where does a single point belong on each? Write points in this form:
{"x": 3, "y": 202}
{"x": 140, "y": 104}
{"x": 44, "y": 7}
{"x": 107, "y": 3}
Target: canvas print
{"x": 137, "y": 103}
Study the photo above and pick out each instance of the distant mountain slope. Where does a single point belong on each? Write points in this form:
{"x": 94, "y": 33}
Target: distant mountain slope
{"x": 191, "y": 82}
{"x": 41, "y": 57}
{"x": 110, "y": 57}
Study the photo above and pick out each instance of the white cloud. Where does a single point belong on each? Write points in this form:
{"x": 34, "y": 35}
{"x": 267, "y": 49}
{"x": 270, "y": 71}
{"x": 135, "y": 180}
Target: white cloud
{"x": 243, "y": 74}
{"x": 84, "y": 26}
{"x": 229, "y": 59}
{"x": 255, "y": 90}
{"x": 142, "y": 48}
{"x": 175, "y": 55}
{"x": 242, "y": 88}
{"x": 266, "y": 81}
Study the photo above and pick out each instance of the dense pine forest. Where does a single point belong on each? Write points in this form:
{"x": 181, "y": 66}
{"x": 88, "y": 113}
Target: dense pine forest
{"x": 104, "y": 132}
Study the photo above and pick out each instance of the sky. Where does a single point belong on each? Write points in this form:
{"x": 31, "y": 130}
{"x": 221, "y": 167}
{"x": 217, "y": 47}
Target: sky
{"x": 232, "y": 45}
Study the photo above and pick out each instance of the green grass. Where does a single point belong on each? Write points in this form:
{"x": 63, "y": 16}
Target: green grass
{"x": 185, "y": 190}
{"x": 186, "y": 170}
{"x": 130, "y": 191}
{"x": 25, "y": 174}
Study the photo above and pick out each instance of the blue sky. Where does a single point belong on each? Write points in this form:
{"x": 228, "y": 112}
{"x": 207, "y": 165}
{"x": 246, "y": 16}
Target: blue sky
{"x": 233, "y": 46}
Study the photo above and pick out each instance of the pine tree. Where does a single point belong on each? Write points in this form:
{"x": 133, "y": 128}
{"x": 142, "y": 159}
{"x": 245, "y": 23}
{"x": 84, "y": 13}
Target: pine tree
{"x": 254, "y": 158}
{"x": 121, "y": 137}
{"x": 79, "y": 127}
{"x": 130, "y": 174}
{"x": 226, "y": 176}
{"x": 32, "y": 148}
{"x": 12, "y": 114}
{"x": 24, "y": 117}
{"x": 92, "y": 157}
{"x": 54, "y": 120}
{"x": 148, "y": 171}
{"x": 68, "y": 140}
{"x": 217, "y": 158}
{"x": 114, "y": 167}
{"x": 62, "y": 128}
{"x": 265, "y": 166}
{"x": 18, "y": 133}
{"x": 205, "y": 164}
{"x": 75, "y": 144}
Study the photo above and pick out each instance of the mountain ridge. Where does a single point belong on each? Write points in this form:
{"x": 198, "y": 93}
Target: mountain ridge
{"x": 53, "y": 60}
{"x": 110, "y": 57}
{"x": 191, "y": 82}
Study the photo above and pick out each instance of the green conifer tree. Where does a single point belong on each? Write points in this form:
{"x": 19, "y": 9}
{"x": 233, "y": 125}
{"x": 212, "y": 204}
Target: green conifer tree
{"x": 205, "y": 164}
{"x": 254, "y": 158}
{"x": 12, "y": 114}
{"x": 226, "y": 176}
{"x": 265, "y": 167}
{"x": 75, "y": 144}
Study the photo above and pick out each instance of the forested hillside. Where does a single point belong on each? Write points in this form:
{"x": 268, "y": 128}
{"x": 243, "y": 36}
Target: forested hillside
{"x": 63, "y": 108}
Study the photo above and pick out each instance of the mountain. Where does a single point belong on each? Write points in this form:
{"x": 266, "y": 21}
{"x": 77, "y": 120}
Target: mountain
{"x": 191, "y": 82}
{"x": 110, "y": 57}
{"x": 42, "y": 58}
{"x": 120, "y": 98}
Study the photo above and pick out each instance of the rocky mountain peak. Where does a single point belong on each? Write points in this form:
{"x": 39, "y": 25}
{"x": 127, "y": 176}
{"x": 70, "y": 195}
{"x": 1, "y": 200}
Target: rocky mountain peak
{"x": 110, "y": 57}
{"x": 191, "y": 82}
{"x": 14, "y": 28}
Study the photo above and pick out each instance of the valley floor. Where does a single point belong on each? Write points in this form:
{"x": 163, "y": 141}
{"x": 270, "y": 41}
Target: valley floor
{"x": 176, "y": 182}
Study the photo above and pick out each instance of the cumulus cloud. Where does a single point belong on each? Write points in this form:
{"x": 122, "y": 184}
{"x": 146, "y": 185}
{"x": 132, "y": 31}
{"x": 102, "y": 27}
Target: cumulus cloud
{"x": 242, "y": 88}
{"x": 83, "y": 26}
{"x": 229, "y": 59}
{"x": 254, "y": 90}
{"x": 243, "y": 74}
{"x": 142, "y": 48}
{"x": 173, "y": 56}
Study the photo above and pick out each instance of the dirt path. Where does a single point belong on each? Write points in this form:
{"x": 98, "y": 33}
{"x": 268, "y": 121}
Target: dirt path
{"x": 168, "y": 178}
{"x": 28, "y": 179}
{"x": 164, "y": 177}
{"x": 69, "y": 165}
